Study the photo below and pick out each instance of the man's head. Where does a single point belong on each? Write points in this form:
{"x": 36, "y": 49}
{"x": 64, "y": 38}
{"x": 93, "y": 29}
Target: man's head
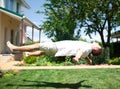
{"x": 96, "y": 49}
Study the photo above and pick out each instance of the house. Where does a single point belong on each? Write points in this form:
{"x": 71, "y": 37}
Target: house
{"x": 116, "y": 35}
{"x": 13, "y": 23}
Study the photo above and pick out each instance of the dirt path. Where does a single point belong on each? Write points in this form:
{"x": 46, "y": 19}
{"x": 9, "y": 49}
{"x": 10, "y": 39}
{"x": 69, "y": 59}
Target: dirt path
{"x": 11, "y": 65}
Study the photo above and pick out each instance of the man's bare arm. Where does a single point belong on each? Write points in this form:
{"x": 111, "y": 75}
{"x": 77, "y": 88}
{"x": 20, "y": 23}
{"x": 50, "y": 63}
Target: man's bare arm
{"x": 88, "y": 60}
{"x": 77, "y": 56}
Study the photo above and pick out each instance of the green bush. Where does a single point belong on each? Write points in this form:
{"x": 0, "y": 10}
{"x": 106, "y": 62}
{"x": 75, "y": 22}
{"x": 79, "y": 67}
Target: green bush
{"x": 49, "y": 61}
{"x": 30, "y": 59}
{"x": 9, "y": 73}
{"x": 114, "y": 61}
{"x": 43, "y": 61}
{"x": 98, "y": 60}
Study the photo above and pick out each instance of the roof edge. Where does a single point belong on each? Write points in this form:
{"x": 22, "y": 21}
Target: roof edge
{"x": 25, "y": 4}
{"x": 4, "y": 9}
{"x": 26, "y": 19}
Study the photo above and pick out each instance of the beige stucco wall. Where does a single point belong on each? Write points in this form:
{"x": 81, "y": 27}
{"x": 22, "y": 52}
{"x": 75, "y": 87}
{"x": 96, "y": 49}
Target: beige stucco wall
{"x": 6, "y": 25}
{"x": 0, "y": 34}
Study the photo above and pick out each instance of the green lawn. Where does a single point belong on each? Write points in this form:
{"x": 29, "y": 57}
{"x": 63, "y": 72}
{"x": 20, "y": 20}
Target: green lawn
{"x": 63, "y": 79}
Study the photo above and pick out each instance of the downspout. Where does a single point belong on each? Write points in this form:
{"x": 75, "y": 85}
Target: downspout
{"x": 39, "y": 35}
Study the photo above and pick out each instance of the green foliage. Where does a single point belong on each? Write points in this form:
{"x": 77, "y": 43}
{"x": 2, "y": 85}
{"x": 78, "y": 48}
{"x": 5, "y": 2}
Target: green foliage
{"x": 43, "y": 61}
{"x": 61, "y": 20}
{"x": 114, "y": 61}
{"x": 30, "y": 59}
{"x": 51, "y": 61}
{"x": 9, "y": 73}
{"x": 46, "y": 61}
{"x": 99, "y": 60}
{"x": 99, "y": 17}
{"x": 1, "y": 73}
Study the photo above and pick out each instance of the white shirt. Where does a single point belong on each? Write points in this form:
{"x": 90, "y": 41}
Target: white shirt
{"x": 70, "y": 48}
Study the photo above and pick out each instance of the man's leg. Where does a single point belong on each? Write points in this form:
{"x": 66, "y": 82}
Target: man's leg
{"x": 36, "y": 53}
{"x": 23, "y": 48}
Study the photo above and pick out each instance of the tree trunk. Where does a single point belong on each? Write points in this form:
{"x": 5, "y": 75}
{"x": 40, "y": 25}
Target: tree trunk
{"x": 107, "y": 53}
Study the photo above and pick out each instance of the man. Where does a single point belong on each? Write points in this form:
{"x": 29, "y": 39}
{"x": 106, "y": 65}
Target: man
{"x": 78, "y": 49}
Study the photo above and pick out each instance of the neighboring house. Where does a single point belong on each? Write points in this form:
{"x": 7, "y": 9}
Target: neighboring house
{"x": 13, "y": 23}
{"x": 116, "y": 35}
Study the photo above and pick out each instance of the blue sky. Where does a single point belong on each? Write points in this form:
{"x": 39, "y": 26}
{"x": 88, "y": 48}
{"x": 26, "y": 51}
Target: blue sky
{"x": 31, "y": 13}
{"x": 35, "y": 18}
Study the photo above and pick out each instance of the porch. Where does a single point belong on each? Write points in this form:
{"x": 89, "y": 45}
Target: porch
{"x": 13, "y": 28}
{"x": 116, "y": 35}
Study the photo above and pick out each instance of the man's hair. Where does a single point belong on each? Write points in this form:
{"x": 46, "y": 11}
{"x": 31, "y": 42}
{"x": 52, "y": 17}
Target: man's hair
{"x": 96, "y": 52}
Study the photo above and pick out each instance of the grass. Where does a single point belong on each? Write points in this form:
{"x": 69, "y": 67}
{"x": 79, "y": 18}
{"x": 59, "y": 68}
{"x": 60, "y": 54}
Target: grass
{"x": 63, "y": 79}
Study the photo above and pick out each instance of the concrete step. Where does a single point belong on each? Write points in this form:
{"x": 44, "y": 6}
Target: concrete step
{"x": 6, "y": 58}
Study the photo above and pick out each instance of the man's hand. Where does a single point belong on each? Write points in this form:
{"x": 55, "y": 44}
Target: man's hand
{"x": 75, "y": 59}
{"x": 77, "y": 56}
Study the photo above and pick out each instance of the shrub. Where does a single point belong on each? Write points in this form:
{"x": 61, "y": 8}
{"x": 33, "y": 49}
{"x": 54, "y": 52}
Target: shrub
{"x": 1, "y": 73}
{"x": 98, "y": 60}
{"x": 114, "y": 61}
{"x": 9, "y": 73}
{"x": 49, "y": 60}
{"x": 30, "y": 59}
{"x": 43, "y": 61}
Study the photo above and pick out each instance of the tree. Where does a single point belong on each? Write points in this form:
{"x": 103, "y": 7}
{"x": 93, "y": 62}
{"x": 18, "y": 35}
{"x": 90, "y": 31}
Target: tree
{"x": 61, "y": 20}
{"x": 100, "y": 16}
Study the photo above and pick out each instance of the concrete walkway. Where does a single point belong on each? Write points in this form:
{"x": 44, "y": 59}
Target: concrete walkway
{"x": 12, "y": 65}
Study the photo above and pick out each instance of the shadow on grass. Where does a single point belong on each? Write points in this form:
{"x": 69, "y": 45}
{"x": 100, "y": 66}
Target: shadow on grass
{"x": 52, "y": 84}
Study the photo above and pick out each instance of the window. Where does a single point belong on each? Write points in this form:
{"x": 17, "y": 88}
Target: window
{"x": 9, "y": 4}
